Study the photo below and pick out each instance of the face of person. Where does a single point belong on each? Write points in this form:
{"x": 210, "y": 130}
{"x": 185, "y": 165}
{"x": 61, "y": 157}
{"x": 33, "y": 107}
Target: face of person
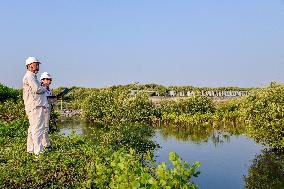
{"x": 46, "y": 82}
{"x": 34, "y": 67}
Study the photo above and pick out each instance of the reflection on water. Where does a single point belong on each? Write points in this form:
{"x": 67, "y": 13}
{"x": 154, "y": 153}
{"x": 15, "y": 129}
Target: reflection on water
{"x": 202, "y": 133}
{"x": 76, "y": 125}
{"x": 228, "y": 158}
{"x": 266, "y": 171}
{"x": 225, "y": 152}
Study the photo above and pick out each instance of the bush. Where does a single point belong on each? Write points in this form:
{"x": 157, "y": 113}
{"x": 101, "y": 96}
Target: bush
{"x": 190, "y": 105}
{"x": 77, "y": 162}
{"x": 7, "y": 93}
{"x": 11, "y": 104}
{"x": 231, "y": 110}
{"x": 104, "y": 106}
{"x": 265, "y": 113}
{"x": 138, "y": 108}
{"x": 127, "y": 135}
{"x": 108, "y": 107}
{"x": 10, "y": 110}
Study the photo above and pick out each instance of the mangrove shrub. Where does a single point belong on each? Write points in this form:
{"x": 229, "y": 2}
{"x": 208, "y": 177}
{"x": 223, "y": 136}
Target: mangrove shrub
{"x": 265, "y": 113}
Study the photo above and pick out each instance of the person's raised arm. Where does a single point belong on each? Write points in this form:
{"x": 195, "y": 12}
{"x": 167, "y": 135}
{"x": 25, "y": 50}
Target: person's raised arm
{"x": 35, "y": 86}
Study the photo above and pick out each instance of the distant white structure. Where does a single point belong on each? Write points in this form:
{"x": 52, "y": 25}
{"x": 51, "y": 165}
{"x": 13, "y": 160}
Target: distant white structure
{"x": 181, "y": 94}
{"x": 190, "y": 93}
{"x": 173, "y": 93}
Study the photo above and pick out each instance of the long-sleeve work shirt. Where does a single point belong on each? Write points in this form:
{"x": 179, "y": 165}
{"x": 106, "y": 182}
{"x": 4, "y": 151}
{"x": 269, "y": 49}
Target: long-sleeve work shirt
{"x": 33, "y": 93}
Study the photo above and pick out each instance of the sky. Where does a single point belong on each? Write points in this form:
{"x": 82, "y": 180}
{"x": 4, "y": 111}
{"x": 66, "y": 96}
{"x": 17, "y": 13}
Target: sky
{"x": 102, "y": 43}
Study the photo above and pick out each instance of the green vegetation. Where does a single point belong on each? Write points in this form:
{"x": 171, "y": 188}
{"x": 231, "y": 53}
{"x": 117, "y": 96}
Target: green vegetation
{"x": 264, "y": 111}
{"x": 111, "y": 106}
{"x": 120, "y": 156}
{"x": 78, "y": 162}
{"x": 7, "y": 93}
{"x": 261, "y": 111}
{"x": 76, "y": 97}
{"x": 191, "y": 105}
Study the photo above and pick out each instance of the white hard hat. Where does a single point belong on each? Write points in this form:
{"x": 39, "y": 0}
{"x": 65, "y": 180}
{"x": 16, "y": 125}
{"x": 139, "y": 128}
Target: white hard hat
{"x": 45, "y": 75}
{"x": 31, "y": 60}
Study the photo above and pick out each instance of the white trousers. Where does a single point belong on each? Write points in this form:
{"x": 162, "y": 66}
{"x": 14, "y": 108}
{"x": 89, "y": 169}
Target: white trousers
{"x": 35, "y": 130}
{"x": 45, "y": 137}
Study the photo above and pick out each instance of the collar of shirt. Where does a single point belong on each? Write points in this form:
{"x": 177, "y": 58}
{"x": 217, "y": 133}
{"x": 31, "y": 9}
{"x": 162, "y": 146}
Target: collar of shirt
{"x": 31, "y": 73}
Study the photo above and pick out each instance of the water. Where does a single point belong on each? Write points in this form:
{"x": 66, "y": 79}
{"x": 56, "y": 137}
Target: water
{"x": 75, "y": 125}
{"x": 222, "y": 165}
{"x": 225, "y": 158}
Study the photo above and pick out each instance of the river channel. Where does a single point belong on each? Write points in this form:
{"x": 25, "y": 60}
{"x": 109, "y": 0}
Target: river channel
{"x": 225, "y": 158}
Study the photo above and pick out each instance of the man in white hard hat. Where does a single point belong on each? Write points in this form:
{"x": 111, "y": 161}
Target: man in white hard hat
{"x": 36, "y": 105}
{"x": 46, "y": 80}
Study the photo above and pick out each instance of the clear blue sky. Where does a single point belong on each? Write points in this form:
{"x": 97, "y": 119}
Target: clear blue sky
{"x": 183, "y": 42}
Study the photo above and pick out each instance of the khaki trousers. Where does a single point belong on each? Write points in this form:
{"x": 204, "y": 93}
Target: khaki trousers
{"x": 35, "y": 130}
{"x": 45, "y": 137}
